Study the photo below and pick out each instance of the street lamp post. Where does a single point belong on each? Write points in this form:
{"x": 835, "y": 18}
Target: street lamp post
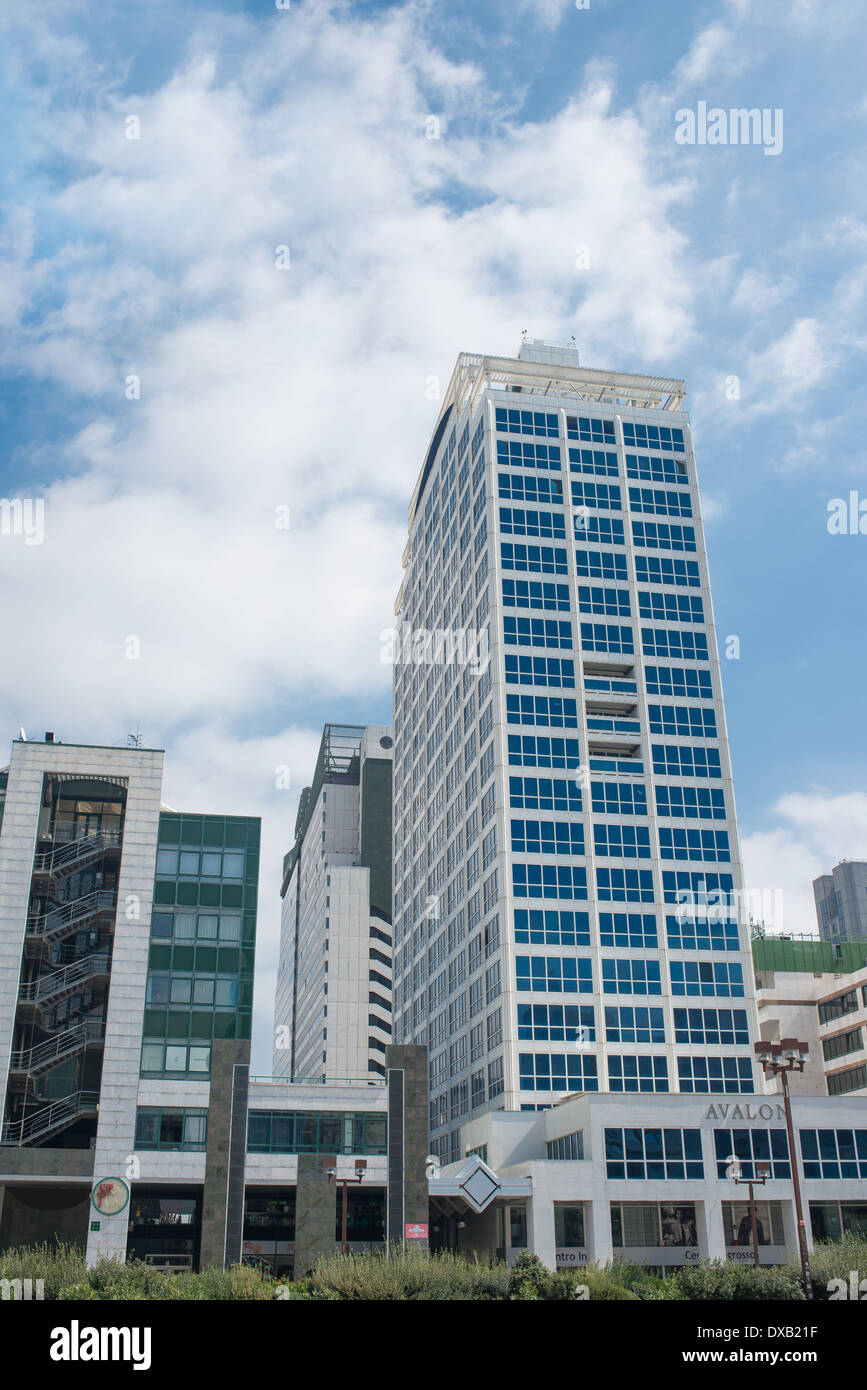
{"x": 778, "y": 1059}
{"x": 360, "y": 1165}
{"x": 761, "y": 1177}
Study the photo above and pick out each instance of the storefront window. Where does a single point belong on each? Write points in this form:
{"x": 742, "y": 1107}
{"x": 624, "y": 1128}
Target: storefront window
{"x": 518, "y": 1228}
{"x": 769, "y": 1223}
{"x": 831, "y": 1220}
{"x": 648, "y": 1223}
{"x": 568, "y": 1225}
{"x": 164, "y": 1227}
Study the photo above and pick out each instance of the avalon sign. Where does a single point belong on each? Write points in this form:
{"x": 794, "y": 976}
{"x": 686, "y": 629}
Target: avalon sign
{"x": 725, "y": 1111}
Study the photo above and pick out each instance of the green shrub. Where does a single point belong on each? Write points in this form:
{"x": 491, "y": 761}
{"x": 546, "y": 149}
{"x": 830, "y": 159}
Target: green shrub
{"x": 305, "y": 1289}
{"x": 412, "y": 1274}
{"x": 409, "y": 1274}
{"x": 603, "y": 1283}
{"x": 238, "y": 1282}
{"x": 723, "y": 1279}
{"x": 644, "y": 1284}
{"x": 78, "y": 1293}
{"x": 834, "y": 1260}
{"x": 56, "y": 1265}
{"x": 528, "y": 1278}
{"x": 111, "y": 1281}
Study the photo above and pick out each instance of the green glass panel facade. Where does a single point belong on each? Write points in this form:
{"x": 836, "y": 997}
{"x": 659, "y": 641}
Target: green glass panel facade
{"x": 203, "y": 940}
{"x": 325, "y": 1131}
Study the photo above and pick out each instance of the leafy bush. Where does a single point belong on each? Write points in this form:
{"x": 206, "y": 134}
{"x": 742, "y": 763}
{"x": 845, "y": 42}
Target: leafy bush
{"x": 835, "y": 1260}
{"x": 412, "y": 1274}
{"x": 723, "y": 1279}
{"x": 111, "y": 1281}
{"x": 409, "y": 1274}
{"x": 57, "y": 1265}
{"x": 305, "y": 1289}
{"x": 644, "y": 1284}
{"x": 238, "y": 1282}
{"x": 604, "y": 1283}
{"x": 528, "y": 1278}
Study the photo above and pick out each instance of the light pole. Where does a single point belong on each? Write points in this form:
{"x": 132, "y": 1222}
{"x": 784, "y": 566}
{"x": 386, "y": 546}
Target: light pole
{"x": 360, "y": 1165}
{"x": 761, "y": 1176}
{"x": 778, "y": 1059}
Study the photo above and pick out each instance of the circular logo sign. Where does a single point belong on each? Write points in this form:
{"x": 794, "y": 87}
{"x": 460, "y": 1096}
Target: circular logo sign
{"x": 110, "y": 1196}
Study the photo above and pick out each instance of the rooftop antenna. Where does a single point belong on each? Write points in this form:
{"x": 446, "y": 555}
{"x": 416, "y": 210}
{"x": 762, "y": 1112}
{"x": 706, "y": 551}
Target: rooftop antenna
{"x": 22, "y": 735}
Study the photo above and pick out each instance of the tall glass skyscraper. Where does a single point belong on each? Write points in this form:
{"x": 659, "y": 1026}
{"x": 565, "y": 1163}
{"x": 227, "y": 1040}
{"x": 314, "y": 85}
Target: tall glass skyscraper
{"x": 566, "y": 866}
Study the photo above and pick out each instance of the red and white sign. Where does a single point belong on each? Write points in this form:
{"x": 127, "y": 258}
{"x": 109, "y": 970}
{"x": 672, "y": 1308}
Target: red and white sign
{"x": 416, "y": 1230}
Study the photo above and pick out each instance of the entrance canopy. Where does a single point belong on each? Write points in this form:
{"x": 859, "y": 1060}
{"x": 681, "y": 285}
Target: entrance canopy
{"x": 474, "y": 1186}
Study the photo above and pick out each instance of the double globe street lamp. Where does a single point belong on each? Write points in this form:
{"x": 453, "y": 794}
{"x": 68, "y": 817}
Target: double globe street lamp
{"x": 778, "y": 1059}
{"x": 761, "y": 1170}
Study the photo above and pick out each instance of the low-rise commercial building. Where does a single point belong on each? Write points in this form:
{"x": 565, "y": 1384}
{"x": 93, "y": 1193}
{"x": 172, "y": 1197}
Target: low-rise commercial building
{"x": 816, "y": 991}
{"x": 650, "y": 1179}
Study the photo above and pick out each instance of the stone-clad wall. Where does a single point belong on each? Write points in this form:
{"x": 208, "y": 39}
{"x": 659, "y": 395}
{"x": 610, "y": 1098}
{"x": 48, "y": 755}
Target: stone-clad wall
{"x": 224, "y": 1163}
{"x": 315, "y": 1211}
{"x": 408, "y": 1203}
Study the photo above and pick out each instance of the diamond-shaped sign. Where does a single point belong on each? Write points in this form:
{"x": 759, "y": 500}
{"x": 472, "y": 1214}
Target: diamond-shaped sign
{"x": 479, "y": 1185}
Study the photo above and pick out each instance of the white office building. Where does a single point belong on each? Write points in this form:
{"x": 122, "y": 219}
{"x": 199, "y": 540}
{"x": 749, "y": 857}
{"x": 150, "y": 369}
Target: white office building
{"x": 651, "y": 1180}
{"x": 816, "y": 991}
{"x": 333, "y": 999}
{"x": 567, "y": 884}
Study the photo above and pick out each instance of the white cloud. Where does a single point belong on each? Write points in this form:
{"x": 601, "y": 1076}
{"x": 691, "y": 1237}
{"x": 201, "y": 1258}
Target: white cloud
{"x": 715, "y": 51}
{"x": 713, "y": 507}
{"x": 783, "y": 375}
{"x": 262, "y": 387}
{"x": 814, "y": 830}
{"x": 757, "y": 292}
{"x": 549, "y": 13}
{"x": 306, "y": 387}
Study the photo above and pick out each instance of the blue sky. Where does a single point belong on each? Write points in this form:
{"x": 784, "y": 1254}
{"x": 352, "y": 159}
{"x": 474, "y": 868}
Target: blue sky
{"x": 260, "y": 388}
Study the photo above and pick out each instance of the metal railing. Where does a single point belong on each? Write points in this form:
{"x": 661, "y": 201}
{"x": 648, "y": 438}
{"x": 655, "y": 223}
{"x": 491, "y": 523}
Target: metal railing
{"x": 48, "y": 986}
{"x": 319, "y": 1080}
{"x": 49, "y": 1117}
{"x": 60, "y": 919}
{"x": 73, "y": 852}
{"x": 70, "y": 834}
{"x": 44, "y": 1054}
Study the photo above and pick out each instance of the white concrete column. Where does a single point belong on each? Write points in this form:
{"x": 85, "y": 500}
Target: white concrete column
{"x": 598, "y": 1235}
{"x": 540, "y": 1226}
{"x": 709, "y": 1223}
{"x": 114, "y": 1151}
{"x": 790, "y": 1228}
